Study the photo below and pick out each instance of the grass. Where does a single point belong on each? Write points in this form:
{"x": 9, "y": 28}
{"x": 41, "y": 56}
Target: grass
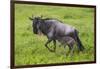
{"x": 30, "y": 49}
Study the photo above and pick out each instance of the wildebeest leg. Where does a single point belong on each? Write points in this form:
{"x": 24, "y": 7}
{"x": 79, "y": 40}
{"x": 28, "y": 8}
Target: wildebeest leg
{"x": 68, "y": 50}
{"x": 46, "y": 45}
{"x": 54, "y": 41}
{"x": 71, "y": 49}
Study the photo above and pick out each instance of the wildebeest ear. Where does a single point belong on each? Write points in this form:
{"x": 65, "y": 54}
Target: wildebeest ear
{"x": 30, "y": 18}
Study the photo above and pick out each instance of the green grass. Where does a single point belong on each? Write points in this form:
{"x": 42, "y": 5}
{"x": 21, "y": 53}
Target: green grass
{"x": 30, "y": 49}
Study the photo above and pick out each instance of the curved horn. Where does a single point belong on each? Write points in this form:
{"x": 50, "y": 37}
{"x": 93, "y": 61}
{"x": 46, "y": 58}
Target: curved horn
{"x": 30, "y": 18}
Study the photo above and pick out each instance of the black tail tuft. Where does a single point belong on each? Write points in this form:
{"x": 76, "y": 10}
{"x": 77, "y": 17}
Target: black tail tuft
{"x": 79, "y": 44}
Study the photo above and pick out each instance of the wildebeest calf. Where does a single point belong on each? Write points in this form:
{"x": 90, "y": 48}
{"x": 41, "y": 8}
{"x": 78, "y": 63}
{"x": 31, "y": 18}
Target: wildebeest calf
{"x": 67, "y": 41}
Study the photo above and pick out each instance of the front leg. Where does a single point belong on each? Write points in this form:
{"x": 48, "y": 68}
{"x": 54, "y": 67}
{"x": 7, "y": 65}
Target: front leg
{"x": 50, "y": 38}
{"x": 54, "y": 41}
{"x": 46, "y": 45}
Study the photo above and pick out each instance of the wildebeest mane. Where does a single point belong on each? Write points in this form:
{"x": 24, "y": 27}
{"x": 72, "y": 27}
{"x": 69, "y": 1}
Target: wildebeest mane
{"x": 52, "y": 19}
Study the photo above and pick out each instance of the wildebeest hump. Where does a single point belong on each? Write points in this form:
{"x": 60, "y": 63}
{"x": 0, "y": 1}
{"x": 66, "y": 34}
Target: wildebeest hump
{"x": 60, "y": 28}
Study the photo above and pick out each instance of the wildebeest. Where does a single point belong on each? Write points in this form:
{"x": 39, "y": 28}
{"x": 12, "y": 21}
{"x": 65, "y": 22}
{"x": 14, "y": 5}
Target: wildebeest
{"x": 56, "y": 30}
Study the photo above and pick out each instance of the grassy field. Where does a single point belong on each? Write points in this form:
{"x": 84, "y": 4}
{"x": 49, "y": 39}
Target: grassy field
{"x": 30, "y": 49}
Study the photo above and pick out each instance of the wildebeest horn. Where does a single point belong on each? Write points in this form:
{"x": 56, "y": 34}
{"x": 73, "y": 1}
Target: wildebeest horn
{"x": 30, "y": 18}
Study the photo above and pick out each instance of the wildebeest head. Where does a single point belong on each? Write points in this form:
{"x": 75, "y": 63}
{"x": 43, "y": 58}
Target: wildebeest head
{"x": 36, "y": 21}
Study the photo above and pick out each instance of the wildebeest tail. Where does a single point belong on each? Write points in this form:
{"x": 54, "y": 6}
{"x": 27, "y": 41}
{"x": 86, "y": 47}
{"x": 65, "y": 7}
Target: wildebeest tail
{"x": 79, "y": 43}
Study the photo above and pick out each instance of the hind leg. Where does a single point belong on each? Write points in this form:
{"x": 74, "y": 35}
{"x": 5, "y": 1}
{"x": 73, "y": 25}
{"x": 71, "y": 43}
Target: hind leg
{"x": 71, "y": 50}
{"x": 68, "y": 50}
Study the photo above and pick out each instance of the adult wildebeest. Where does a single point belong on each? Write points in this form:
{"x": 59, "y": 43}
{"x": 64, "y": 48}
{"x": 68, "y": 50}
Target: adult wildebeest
{"x": 55, "y": 30}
